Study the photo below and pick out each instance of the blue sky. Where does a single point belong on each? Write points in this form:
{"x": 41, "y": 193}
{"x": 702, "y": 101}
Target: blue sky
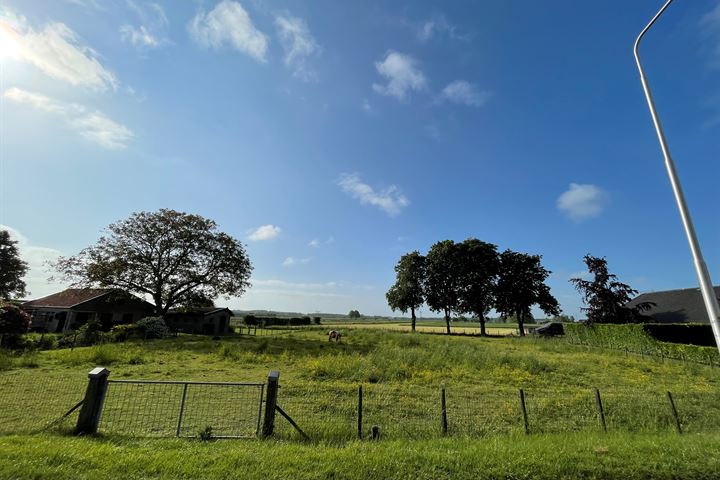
{"x": 332, "y": 137}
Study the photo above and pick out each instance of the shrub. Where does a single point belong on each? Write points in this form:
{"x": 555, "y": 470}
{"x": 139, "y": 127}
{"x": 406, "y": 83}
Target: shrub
{"x": 153, "y": 327}
{"x": 14, "y": 322}
{"x": 40, "y": 342}
{"x": 126, "y": 331}
{"x": 90, "y": 333}
{"x": 316, "y": 320}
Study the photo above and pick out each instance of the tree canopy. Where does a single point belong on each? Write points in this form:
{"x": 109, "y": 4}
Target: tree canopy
{"x": 442, "y": 283}
{"x": 408, "y": 292}
{"x": 605, "y": 296}
{"x": 521, "y": 284}
{"x": 12, "y": 268}
{"x": 477, "y": 274}
{"x": 174, "y": 257}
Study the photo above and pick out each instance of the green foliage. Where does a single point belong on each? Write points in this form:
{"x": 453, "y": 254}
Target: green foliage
{"x": 408, "y": 292}
{"x": 177, "y": 257}
{"x": 12, "y": 268}
{"x": 605, "y": 296}
{"x": 124, "y": 332}
{"x": 206, "y": 434}
{"x": 354, "y": 314}
{"x": 277, "y": 321}
{"x": 13, "y": 320}
{"x": 442, "y": 284}
{"x": 90, "y": 333}
{"x": 521, "y": 284}
{"x": 153, "y": 327}
{"x": 634, "y": 338}
{"x": 478, "y": 278}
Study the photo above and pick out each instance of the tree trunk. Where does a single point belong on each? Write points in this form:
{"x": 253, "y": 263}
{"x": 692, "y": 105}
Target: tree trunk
{"x": 447, "y": 321}
{"x": 482, "y": 325}
{"x": 521, "y": 323}
{"x": 412, "y": 311}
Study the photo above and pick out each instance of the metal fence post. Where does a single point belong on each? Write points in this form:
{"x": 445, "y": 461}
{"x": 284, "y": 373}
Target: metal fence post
{"x": 89, "y": 417}
{"x": 524, "y": 411}
{"x": 601, "y": 412}
{"x": 443, "y": 412}
{"x": 270, "y": 403}
{"x": 360, "y": 412}
{"x": 182, "y": 410}
{"x": 674, "y": 412}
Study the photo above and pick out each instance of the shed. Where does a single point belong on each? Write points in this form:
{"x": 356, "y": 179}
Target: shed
{"x": 205, "y": 321}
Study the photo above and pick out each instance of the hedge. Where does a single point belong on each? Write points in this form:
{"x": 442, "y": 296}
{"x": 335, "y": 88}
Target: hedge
{"x": 252, "y": 320}
{"x": 636, "y": 339}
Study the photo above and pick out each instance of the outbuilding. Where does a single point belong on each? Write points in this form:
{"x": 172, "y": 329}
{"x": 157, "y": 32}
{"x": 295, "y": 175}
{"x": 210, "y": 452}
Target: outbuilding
{"x": 205, "y": 321}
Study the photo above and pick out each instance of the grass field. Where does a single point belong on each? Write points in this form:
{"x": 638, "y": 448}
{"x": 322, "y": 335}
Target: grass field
{"x": 402, "y": 375}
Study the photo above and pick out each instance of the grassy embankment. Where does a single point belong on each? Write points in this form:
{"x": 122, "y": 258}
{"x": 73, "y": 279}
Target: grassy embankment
{"x": 402, "y": 375}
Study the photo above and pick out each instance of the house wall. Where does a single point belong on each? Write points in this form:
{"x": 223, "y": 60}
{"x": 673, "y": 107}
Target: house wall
{"x": 109, "y": 313}
{"x": 195, "y": 323}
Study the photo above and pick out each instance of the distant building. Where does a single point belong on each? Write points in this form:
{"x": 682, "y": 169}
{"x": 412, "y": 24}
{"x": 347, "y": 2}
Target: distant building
{"x": 204, "y": 321}
{"x": 67, "y": 310}
{"x": 675, "y": 306}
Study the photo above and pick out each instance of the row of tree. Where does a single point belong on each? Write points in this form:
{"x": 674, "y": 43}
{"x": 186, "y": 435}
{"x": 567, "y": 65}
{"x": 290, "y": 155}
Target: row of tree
{"x": 471, "y": 277}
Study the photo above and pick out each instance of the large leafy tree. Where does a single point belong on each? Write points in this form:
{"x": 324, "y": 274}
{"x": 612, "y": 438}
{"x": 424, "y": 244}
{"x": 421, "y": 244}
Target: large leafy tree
{"x": 478, "y": 272}
{"x": 12, "y": 268}
{"x": 408, "y": 292}
{"x": 173, "y": 257}
{"x": 605, "y": 296}
{"x": 442, "y": 282}
{"x": 521, "y": 284}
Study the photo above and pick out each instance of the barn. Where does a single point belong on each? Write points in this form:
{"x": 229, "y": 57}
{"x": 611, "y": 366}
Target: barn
{"x": 205, "y": 321}
{"x": 675, "y": 306}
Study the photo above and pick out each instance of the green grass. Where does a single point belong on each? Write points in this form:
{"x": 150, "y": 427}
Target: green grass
{"x": 401, "y": 374}
{"x": 572, "y": 456}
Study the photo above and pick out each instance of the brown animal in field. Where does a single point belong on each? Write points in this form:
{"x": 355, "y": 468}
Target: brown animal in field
{"x": 334, "y": 335}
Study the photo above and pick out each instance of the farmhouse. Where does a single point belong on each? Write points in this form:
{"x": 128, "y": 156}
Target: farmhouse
{"x": 675, "y": 306}
{"x": 206, "y": 321}
{"x": 67, "y": 310}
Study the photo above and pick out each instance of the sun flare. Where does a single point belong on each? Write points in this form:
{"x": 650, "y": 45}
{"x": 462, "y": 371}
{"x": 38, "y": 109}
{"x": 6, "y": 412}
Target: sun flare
{"x": 9, "y": 44}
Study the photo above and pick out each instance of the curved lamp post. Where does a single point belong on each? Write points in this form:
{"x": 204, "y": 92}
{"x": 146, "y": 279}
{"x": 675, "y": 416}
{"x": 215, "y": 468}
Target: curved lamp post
{"x": 706, "y": 287}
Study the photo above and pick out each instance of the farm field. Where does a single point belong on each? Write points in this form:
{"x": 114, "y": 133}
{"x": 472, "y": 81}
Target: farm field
{"x": 402, "y": 376}
{"x": 466, "y": 328}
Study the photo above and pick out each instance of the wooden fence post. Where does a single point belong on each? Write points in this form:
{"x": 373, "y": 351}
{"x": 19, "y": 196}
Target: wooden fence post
{"x": 524, "y": 411}
{"x": 674, "y": 412}
{"x": 89, "y": 417}
{"x": 443, "y": 412}
{"x": 271, "y": 403}
{"x": 360, "y": 412}
{"x": 601, "y": 412}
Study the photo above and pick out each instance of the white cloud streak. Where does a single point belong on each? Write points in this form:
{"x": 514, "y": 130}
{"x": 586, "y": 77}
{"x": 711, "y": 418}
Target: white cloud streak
{"x": 464, "y": 93}
{"x": 57, "y": 51}
{"x": 402, "y": 73}
{"x": 299, "y": 45}
{"x": 581, "y": 202}
{"x": 229, "y": 24}
{"x": 152, "y": 31}
{"x": 292, "y": 261}
{"x": 391, "y": 200}
{"x": 710, "y": 24}
{"x": 94, "y": 126}
{"x": 265, "y": 232}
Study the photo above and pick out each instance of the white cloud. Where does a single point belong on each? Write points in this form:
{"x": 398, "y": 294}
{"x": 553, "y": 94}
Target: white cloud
{"x": 316, "y": 243}
{"x": 390, "y": 200}
{"x": 57, "y": 51}
{"x": 265, "y": 232}
{"x": 298, "y": 44}
{"x": 92, "y": 125}
{"x": 710, "y": 24}
{"x": 229, "y": 24}
{"x": 152, "y": 31}
{"x": 37, "y": 259}
{"x": 86, "y": 3}
{"x": 437, "y": 26}
{"x": 402, "y": 74}
{"x": 580, "y": 202}
{"x": 292, "y": 261}
{"x": 366, "y": 106}
{"x": 274, "y": 283}
{"x": 464, "y": 93}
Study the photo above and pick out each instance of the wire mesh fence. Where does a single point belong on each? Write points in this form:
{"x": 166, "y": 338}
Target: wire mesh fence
{"x": 183, "y": 409}
{"x": 39, "y": 403}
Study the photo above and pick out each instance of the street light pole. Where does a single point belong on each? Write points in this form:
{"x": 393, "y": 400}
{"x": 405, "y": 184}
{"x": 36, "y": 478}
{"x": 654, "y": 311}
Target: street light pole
{"x": 706, "y": 287}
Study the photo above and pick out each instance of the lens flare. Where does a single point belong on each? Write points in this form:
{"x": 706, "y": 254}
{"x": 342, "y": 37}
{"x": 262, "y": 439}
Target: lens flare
{"x": 9, "y": 41}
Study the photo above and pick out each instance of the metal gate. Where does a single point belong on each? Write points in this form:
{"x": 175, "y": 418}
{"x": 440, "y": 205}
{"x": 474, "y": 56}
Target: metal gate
{"x": 182, "y": 409}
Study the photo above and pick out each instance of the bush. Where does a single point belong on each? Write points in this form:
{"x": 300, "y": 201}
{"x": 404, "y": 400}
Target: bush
{"x": 316, "y": 320}
{"x": 89, "y": 333}
{"x": 124, "y": 332}
{"x": 14, "y": 322}
{"x": 153, "y": 327}
{"x": 40, "y": 342}
{"x": 690, "y": 333}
